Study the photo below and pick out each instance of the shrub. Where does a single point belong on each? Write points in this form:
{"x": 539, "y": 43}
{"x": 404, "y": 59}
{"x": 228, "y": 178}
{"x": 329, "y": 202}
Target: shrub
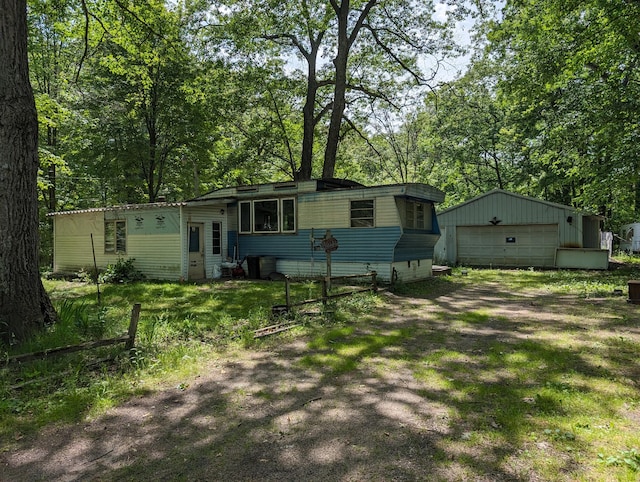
{"x": 121, "y": 272}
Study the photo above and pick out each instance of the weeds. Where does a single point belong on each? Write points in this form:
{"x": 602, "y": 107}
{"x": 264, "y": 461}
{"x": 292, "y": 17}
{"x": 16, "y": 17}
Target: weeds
{"x": 626, "y": 458}
{"x": 180, "y": 325}
{"x": 553, "y": 391}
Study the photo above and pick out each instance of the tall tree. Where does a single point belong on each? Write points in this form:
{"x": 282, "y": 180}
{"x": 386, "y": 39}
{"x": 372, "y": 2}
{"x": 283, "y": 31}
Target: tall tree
{"x": 356, "y": 53}
{"x": 141, "y": 119}
{"x": 572, "y": 80}
{"x": 24, "y": 304}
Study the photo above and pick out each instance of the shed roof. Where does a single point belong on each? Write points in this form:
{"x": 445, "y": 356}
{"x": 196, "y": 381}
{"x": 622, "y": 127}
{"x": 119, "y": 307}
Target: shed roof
{"x": 517, "y": 196}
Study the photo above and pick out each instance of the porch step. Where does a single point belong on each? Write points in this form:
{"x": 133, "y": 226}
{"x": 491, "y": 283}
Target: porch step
{"x": 441, "y": 270}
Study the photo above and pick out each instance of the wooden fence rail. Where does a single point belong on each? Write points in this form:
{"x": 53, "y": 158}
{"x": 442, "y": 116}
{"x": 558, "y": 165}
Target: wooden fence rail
{"x": 128, "y": 340}
{"x": 326, "y": 296}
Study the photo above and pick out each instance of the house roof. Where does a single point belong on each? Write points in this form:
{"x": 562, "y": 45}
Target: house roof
{"x": 517, "y": 196}
{"x": 227, "y": 195}
{"x": 410, "y": 190}
{"x": 121, "y": 207}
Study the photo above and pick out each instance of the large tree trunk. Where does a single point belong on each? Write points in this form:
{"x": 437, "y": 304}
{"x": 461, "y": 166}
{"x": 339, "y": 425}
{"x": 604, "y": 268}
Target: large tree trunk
{"x": 24, "y": 304}
{"x": 345, "y": 41}
{"x": 339, "y": 92}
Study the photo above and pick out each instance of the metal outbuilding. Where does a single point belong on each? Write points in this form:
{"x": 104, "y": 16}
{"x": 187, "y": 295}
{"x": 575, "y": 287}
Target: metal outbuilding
{"x": 504, "y": 229}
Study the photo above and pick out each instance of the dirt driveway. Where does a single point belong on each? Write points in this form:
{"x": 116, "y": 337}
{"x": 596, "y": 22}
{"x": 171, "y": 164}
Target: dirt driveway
{"x": 297, "y": 413}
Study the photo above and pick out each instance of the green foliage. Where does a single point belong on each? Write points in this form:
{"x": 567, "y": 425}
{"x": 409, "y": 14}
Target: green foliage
{"x": 571, "y": 93}
{"x": 123, "y": 271}
{"x": 181, "y": 326}
{"x": 626, "y": 458}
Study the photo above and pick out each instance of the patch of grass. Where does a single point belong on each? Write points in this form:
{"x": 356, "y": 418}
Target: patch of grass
{"x": 555, "y": 385}
{"x": 180, "y": 327}
{"x": 538, "y": 378}
{"x": 577, "y": 282}
{"x": 343, "y": 350}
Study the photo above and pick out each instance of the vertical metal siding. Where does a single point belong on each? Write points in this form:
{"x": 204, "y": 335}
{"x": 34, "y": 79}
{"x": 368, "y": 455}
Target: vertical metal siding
{"x": 516, "y": 210}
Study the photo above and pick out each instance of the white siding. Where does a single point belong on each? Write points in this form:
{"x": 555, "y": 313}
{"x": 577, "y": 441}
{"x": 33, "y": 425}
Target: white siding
{"x": 72, "y": 242}
{"x": 413, "y": 270}
{"x": 157, "y": 256}
{"x": 335, "y": 211}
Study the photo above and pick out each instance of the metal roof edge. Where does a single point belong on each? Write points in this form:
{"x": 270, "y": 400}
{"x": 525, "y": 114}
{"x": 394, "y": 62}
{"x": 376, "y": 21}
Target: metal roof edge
{"x": 519, "y": 196}
{"x": 120, "y": 207}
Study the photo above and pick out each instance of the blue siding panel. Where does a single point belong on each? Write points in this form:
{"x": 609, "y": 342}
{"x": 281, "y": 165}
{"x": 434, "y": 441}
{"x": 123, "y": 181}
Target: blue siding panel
{"x": 354, "y": 244}
{"x": 415, "y": 245}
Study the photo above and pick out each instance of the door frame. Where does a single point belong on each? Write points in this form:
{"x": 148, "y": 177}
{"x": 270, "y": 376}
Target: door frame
{"x": 200, "y": 257}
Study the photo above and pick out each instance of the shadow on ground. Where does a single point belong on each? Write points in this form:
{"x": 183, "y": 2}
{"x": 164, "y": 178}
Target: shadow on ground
{"x": 418, "y": 391}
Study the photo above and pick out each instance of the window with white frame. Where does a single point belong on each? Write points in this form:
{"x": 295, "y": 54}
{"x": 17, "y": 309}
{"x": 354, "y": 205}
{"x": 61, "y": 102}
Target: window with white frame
{"x": 362, "y": 213}
{"x": 268, "y": 216}
{"x": 115, "y": 237}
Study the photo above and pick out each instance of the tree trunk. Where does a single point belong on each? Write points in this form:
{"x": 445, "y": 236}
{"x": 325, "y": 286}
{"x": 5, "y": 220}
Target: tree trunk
{"x": 310, "y": 120}
{"x": 308, "y": 113}
{"x": 345, "y": 41}
{"x": 339, "y": 93}
{"x": 24, "y": 304}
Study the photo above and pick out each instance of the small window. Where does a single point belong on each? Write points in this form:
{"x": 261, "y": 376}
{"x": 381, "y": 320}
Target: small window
{"x": 265, "y": 215}
{"x": 288, "y": 215}
{"x": 417, "y": 215}
{"x": 410, "y": 212}
{"x": 420, "y": 216}
{"x": 362, "y": 214}
{"x": 245, "y": 217}
{"x": 115, "y": 237}
{"x": 216, "y": 240}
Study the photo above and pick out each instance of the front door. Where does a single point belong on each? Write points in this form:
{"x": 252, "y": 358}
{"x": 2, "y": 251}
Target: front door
{"x": 195, "y": 238}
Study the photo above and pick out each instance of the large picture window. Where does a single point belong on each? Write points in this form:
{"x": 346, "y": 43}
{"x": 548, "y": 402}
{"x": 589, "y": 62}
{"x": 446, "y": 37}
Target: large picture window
{"x": 268, "y": 216}
{"x": 115, "y": 237}
{"x": 265, "y": 216}
{"x": 362, "y": 213}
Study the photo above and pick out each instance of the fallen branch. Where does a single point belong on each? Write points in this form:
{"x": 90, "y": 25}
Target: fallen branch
{"x": 270, "y": 330}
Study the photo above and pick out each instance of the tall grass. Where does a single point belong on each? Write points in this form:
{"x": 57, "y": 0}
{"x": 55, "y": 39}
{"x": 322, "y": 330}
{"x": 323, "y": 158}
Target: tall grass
{"x": 180, "y": 326}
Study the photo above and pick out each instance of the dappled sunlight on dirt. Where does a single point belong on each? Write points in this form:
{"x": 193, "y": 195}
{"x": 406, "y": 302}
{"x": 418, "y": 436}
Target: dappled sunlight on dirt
{"x": 415, "y": 402}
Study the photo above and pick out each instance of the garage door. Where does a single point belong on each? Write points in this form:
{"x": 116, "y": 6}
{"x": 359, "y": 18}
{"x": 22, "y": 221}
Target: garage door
{"x": 525, "y": 245}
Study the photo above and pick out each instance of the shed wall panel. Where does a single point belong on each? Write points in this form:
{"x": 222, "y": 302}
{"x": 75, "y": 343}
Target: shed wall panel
{"x": 525, "y": 245}
{"x": 509, "y": 209}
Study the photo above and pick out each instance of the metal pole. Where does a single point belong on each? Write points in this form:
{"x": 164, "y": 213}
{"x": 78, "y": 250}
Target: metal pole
{"x": 95, "y": 269}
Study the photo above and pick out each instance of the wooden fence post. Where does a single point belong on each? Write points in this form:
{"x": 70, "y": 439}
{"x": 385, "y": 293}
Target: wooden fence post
{"x": 133, "y": 326}
{"x": 287, "y": 291}
{"x": 325, "y": 292}
{"x": 374, "y": 280}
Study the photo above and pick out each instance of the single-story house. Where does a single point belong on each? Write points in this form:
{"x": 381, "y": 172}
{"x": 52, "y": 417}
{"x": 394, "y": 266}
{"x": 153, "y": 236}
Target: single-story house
{"x": 503, "y": 229}
{"x": 280, "y": 227}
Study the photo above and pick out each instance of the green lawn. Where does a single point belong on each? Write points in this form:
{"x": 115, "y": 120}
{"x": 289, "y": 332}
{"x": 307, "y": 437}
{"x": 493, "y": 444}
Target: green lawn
{"x": 550, "y": 386}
